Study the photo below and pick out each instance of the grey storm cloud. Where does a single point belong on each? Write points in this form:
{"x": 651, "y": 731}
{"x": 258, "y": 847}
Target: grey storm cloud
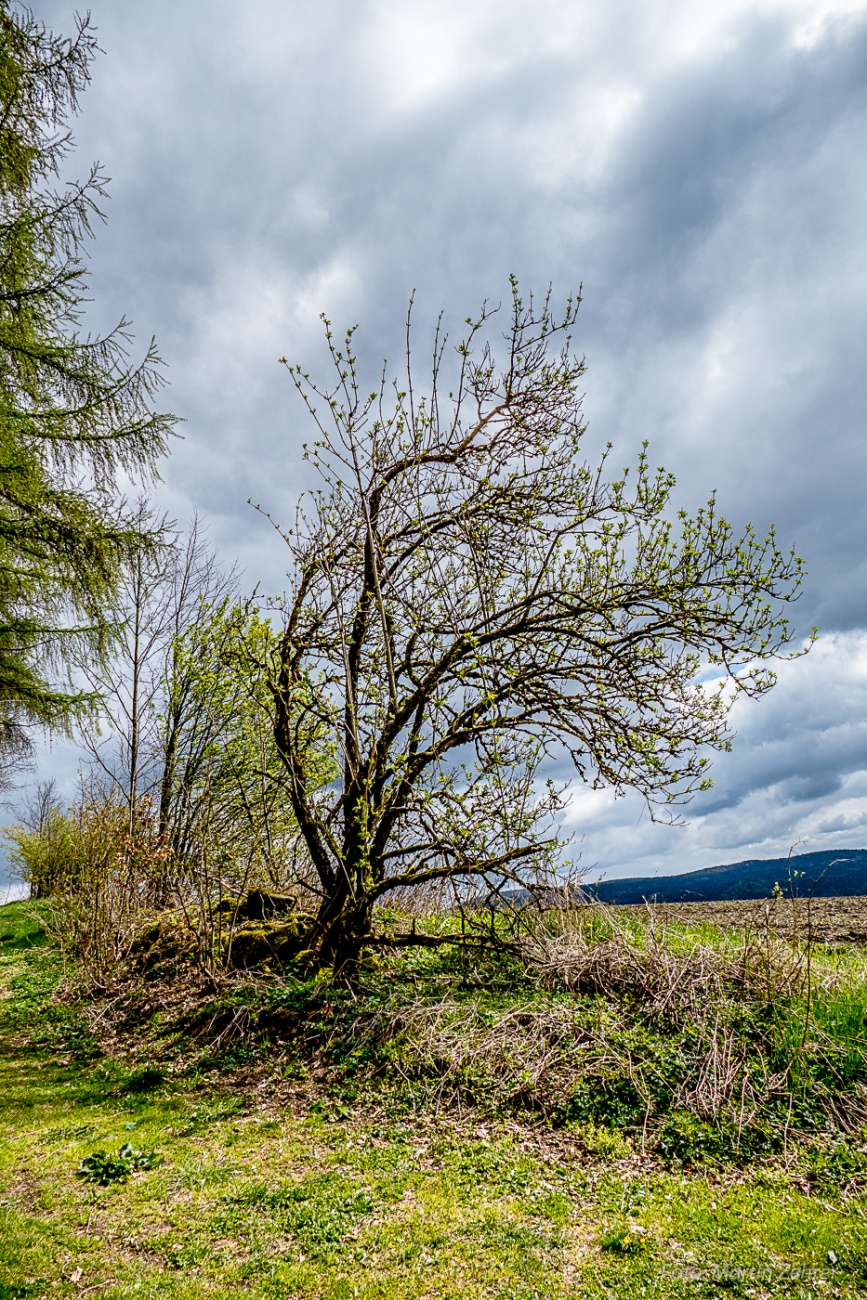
{"x": 714, "y": 207}
{"x": 699, "y": 168}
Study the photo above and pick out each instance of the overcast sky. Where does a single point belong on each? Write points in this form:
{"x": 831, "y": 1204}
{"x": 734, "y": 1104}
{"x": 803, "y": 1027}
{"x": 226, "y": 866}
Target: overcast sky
{"x": 700, "y": 168}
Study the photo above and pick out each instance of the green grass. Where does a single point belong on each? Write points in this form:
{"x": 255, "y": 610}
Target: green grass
{"x": 265, "y": 1200}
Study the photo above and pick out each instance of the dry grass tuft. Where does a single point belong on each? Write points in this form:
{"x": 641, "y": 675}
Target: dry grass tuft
{"x": 661, "y": 964}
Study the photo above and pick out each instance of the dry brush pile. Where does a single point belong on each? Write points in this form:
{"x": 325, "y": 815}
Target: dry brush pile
{"x": 674, "y": 1035}
{"x": 687, "y": 1039}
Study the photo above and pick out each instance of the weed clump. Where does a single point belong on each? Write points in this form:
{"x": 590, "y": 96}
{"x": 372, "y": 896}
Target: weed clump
{"x": 104, "y": 1168}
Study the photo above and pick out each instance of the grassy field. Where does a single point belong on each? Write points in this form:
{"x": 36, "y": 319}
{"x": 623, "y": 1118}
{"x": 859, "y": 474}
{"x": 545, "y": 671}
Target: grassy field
{"x": 831, "y": 920}
{"x": 174, "y": 1173}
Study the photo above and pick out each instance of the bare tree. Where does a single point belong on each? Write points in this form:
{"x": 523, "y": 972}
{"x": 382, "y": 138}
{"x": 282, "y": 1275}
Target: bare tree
{"x": 473, "y": 600}
{"x": 164, "y": 592}
{"x": 41, "y": 819}
{"x": 186, "y": 742}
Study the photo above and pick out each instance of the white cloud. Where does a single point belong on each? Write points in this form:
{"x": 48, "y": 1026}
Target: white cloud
{"x": 797, "y": 771}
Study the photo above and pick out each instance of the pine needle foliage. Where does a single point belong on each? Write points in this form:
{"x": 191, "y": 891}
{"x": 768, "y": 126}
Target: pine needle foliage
{"x": 75, "y": 411}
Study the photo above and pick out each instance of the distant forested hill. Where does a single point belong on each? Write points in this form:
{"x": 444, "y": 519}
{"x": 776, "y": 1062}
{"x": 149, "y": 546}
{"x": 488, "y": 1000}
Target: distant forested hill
{"x": 827, "y": 874}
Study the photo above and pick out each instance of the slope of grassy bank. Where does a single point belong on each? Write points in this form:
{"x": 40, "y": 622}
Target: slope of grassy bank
{"x": 270, "y": 1185}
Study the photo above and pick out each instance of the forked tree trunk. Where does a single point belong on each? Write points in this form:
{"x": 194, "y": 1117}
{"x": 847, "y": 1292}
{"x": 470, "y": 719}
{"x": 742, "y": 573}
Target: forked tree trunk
{"x": 340, "y": 932}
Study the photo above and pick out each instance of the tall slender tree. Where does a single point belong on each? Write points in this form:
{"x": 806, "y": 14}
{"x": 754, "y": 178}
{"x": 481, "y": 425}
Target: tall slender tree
{"x": 75, "y": 411}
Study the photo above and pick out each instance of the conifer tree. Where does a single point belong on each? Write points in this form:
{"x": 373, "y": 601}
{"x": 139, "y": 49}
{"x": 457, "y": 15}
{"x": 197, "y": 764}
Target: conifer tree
{"x": 75, "y": 411}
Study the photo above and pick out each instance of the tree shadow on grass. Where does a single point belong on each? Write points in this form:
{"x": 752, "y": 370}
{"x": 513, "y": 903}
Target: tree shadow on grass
{"x": 22, "y": 926}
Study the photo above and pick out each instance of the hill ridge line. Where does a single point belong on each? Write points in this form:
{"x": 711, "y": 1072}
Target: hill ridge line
{"x": 824, "y": 873}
